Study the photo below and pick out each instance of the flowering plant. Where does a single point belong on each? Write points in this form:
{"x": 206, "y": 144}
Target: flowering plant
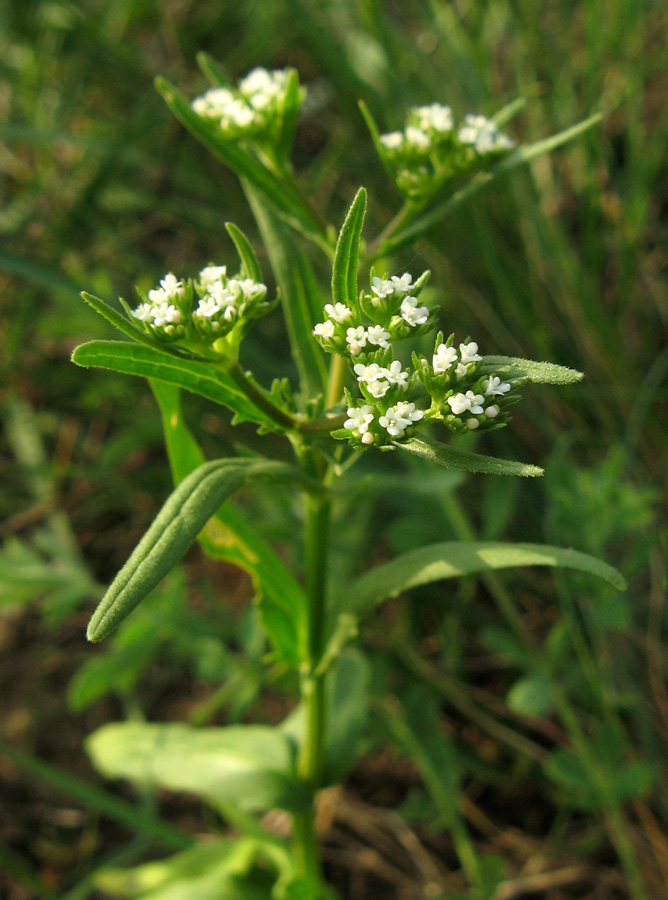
{"x": 187, "y": 334}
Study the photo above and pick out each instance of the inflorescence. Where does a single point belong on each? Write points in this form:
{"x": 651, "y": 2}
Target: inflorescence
{"x": 432, "y": 148}
{"x": 464, "y": 395}
{"x": 203, "y": 310}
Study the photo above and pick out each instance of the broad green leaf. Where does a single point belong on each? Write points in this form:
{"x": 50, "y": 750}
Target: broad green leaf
{"x": 228, "y": 536}
{"x": 444, "y": 455}
{"x": 251, "y": 766}
{"x": 196, "y": 376}
{"x": 348, "y": 697}
{"x": 301, "y": 295}
{"x": 246, "y": 253}
{"x": 517, "y": 158}
{"x": 185, "y": 513}
{"x": 344, "y": 270}
{"x": 523, "y": 370}
{"x": 455, "y": 559}
{"x": 243, "y": 162}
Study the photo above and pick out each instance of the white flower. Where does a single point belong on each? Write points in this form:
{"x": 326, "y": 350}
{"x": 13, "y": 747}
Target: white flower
{"x": 401, "y": 284}
{"x": 378, "y": 388}
{"x": 398, "y": 418}
{"x": 238, "y": 113}
{"x": 261, "y": 81}
{"x": 393, "y": 140}
{"x": 144, "y": 312}
{"x": 483, "y": 135}
{"x": 417, "y": 138}
{"x": 495, "y": 388}
{"x": 378, "y": 336}
{"x": 368, "y": 373}
{"x": 461, "y": 370}
{"x": 443, "y": 358}
{"x": 412, "y": 313}
{"x": 381, "y": 287}
{"x": 171, "y": 285}
{"x": 158, "y": 296}
{"x": 338, "y": 312}
{"x": 356, "y": 339}
{"x": 207, "y": 307}
{"x": 476, "y": 401}
{"x": 459, "y": 404}
{"x": 368, "y": 438}
{"x": 359, "y": 419}
{"x": 324, "y": 329}
{"x": 492, "y": 412}
{"x": 396, "y": 375}
{"x": 211, "y": 274}
{"x": 166, "y": 314}
{"x": 469, "y": 353}
{"x": 435, "y": 116}
{"x": 246, "y": 288}
{"x": 213, "y": 103}
{"x": 472, "y": 424}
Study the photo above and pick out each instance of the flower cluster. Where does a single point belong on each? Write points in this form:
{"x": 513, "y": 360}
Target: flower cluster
{"x": 255, "y": 109}
{"x": 432, "y": 148}
{"x": 463, "y": 394}
{"x": 167, "y": 312}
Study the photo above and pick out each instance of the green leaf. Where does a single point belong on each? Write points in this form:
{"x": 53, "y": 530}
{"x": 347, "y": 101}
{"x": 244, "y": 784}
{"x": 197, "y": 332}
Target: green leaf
{"x": 344, "y": 271}
{"x": 531, "y": 696}
{"x": 523, "y": 370}
{"x": 517, "y": 158}
{"x": 291, "y": 108}
{"x": 444, "y": 455}
{"x": 281, "y": 601}
{"x": 301, "y": 295}
{"x": 118, "y": 321}
{"x": 454, "y": 559}
{"x": 185, "y": 513}
{"x": 196, "y": 376}
{"x": 348, "y": 697}
{"x": 243, "y": 162}
{"x": 249, "y": 263}
{"x": 251, "y": 766}
{"x": 213, "y": 71}
{"x": 375, "y": 136}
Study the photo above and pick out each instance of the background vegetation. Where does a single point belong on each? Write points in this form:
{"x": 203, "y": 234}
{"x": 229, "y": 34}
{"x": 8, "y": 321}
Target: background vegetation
{"x": 101, "y": 189}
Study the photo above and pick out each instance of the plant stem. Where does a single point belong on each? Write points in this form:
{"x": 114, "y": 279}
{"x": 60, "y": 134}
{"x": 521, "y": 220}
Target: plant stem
{"x": 309, "y": 764}
{"x": 237, "y": 374}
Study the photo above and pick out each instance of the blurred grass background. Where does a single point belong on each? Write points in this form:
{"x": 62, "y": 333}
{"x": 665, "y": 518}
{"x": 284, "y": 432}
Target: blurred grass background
{"x": 101, "y": 189}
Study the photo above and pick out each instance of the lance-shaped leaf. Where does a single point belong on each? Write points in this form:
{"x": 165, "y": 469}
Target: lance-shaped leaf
{"x": 246, "y": 253}
{"x": 281, "y": 601}
{"x": 455, "y": 559}
{"x": 185, "y": 513}
{"x": 197, "y": 376}
{"x": 301, "y": 295}
{"x": 514, "y": 160}
{"x": 444, "y": 455}
{"x": 344, "y": 270}
{"x": 251, "y": 766}
{"x": 524, "y": 370}
{"x": 118, "y": 321}
{"x": 243, "y": 162}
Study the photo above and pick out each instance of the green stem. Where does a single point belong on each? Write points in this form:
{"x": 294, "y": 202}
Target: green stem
{"x": 404, "y": 217}
{"x": 337, "y": 377}
{"x": 239, "y": 377}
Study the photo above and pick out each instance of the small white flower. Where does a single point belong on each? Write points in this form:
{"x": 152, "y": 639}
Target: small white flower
{"x": 393, "y": 140}
{"x": 368, "y": 438}
{"x": 408, "y": 411}
{"x": 368, "y": 373}
{"x": 158, "y": 296}
{"x": 472, "y": 424}
{"x": 469, "y": 352}
{"x": 144, "y": 312}
{"x": 324, "y": 329}
{"x": 398, "y": 418}
{"x": 261, "y": 81}
{"x": 207, "y": 307}
{"x": 359, "y": 419}
{"x": 396, "y": 375}
{"x": 356, "y": 339}
{"x": 171, "y": 285}
{"x": 443, "y": 358}
{"x": 378, "y": 388}
{"x": 166, "y": 314}
{"x": 401, "y": 284}
{"x": 378, "y": 336}
{"x": 211, "y": 274}
{"x": 459, "y": 403}
{"x": 417, "y": 138}
{"x": 238, "y": 113}
{"x": 461, "y": 370}
{"x": 412, "y": 313}
{"x": 492, "y": 412}
{"x": 338, "y": 312}
{"x": 381, "y": 287}
{"x": 495, "y": 388}
{"x": 476, "y": 401}
{"x": 435, "y": 116}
